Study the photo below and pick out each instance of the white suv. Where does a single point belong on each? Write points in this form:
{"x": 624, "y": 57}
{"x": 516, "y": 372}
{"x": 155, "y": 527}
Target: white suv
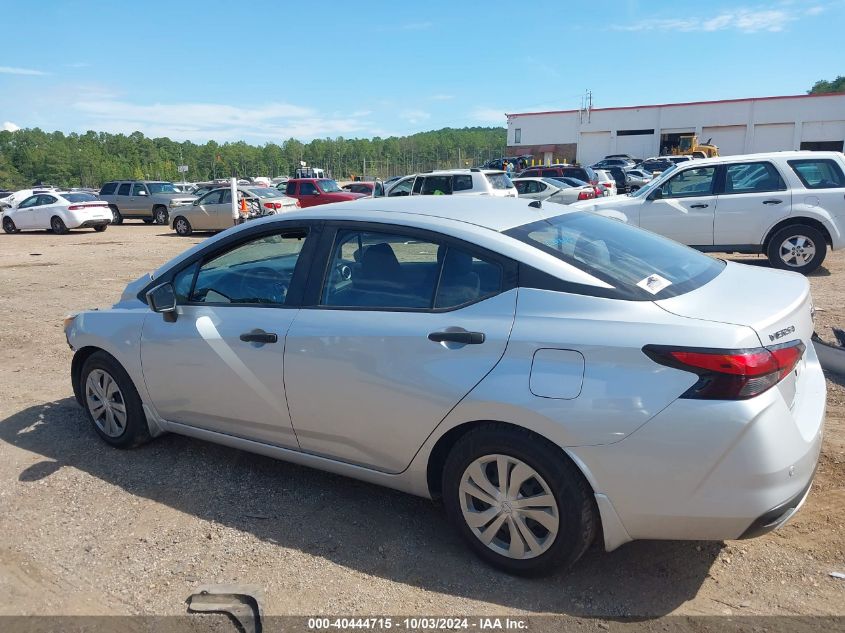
{"x": 487, "y": 182}
{"x": 789, "y": 206}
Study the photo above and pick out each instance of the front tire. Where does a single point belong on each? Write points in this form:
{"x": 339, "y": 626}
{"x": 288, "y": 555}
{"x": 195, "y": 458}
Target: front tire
{"x": 57, "y": 225}
{"x": 797, "y": 247}
{"x": 518, "y": 500}
{"x": 160, "y": 215}
{"x": 9, "y": 225}
{"x": 182, "y": 226}
{"x": 112, "y": 403}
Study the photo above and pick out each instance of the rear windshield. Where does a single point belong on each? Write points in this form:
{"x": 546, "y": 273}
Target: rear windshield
{"x": 264, "y": 192}
{"x": 639, "y": 264}
{"x": 79, "y": 197}
{"x": 499, "y": 181}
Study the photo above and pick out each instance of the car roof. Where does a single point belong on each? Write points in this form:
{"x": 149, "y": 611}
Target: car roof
{"x": 790, "y": 154}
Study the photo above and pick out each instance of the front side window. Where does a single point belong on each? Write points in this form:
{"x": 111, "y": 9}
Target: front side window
{"x": 139, "y": 190}
{"x": 638, "y": 264}
{"x": 752, "y": 178}
{"x": 817, "y": 173}
{"x": 402, "y": 188}
{"x": 124, "y": 189}
{"x": 29, "y": 202}
{"x": 256, "y": 273}
{"x": 689, "y": 183}
{"x": 212, "y": 197}
{"x": 307, "y": 189}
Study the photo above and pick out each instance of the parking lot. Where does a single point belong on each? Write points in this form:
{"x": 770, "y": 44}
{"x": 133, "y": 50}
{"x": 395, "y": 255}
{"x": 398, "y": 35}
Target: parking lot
{"x": 90, "y": 529}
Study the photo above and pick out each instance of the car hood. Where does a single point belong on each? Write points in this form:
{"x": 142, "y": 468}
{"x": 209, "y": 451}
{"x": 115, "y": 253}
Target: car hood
{"x": 618, "y": 207}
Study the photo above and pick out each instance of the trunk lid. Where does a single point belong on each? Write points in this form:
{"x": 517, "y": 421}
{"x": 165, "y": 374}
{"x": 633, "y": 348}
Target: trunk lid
{"x": 776, "y": 304}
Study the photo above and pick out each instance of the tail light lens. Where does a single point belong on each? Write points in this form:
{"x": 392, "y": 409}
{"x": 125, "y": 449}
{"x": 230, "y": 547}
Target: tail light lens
{"x": 730, "y": 374}
{"x": 586, "y": 195}
{"x": 78, "y": 207}
{"x": 273, "y": 205}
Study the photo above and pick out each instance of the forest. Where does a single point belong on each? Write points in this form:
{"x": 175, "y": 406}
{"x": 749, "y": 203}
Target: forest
{"x": 31, "y": 156}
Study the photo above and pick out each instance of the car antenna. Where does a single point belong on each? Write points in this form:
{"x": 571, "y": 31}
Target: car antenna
{"x": 536, "y": 204}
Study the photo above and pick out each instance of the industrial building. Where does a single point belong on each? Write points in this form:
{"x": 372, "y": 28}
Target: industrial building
{"x": 736, "y": 126}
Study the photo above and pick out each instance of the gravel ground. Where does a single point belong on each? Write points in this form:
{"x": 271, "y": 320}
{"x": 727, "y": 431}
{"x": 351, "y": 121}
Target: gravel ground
{"x": 91, "y": 530}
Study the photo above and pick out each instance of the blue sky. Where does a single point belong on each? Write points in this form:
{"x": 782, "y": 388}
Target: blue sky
{"x": 266, "y": 71}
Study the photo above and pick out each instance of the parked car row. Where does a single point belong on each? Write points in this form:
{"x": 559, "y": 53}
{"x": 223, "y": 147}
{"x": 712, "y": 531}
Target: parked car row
{"x": 58, "y": 211}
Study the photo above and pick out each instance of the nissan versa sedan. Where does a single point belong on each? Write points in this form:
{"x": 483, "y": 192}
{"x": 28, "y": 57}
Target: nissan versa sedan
{"x": 553, "y": 376}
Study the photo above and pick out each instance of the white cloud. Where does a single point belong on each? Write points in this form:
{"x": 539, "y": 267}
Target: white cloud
{"x": 490, "y": 116}
{"x": 12, "y": 70}
{"x": 8, "y": 126}
{"x": 816, "y": 10}
{"x": 203, "y": 121}
{"x": 745, "y": 20}
{"x": 415, "y": 116}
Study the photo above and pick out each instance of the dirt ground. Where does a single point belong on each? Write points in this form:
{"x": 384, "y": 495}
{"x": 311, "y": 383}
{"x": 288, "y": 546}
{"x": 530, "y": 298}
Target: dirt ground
{"x": 86, "y": 529}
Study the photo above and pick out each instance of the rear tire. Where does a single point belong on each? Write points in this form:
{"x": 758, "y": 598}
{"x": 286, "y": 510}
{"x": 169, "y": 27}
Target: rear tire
{"x": 182, "y": 226}
{"x": 9, "y": 226}
{"x": 529, "y": 539}
{"x": 112, "y": 403}
{"x": 57, "y": 225}
{"x": 797, "y": 247}
{"x": 117, "y": 218}
{"x": 101, "y": 227}
{"x": 160, "y": 215}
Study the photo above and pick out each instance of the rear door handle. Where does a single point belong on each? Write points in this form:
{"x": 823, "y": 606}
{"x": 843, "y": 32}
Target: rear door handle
{"x": 259, "y": 336}
{"x": 699, "y": 206}
{"x": 467, "y": 338}
{"x": 772, "y": 201}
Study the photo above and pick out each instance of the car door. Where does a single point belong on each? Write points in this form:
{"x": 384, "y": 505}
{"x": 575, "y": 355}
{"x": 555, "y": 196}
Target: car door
{"x": 401, "y": 188}
{"x": 44, "y": 210}
{"x": 219, "y": 366}
{"x": 308, "y": 194}
{"x": 24, "y": 215}
{"x": 121, "y": 199}
{"x": 683, "y": 207}
{"x": 138, "y": 202}
{"x": 404, "y": 325}
{"x": 752, "y": 197}
{"x": 204, "y": 215}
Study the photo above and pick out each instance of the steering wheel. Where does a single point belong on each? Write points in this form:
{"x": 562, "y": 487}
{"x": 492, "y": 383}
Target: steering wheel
{"x": 263, "y": 284}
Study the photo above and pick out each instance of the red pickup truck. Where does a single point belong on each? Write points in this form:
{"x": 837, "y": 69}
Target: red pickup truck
{"x": 313, "y": 191}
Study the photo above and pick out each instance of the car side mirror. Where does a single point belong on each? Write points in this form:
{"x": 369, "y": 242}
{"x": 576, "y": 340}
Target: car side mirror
{"x": 316, "y": 193}
{"x": 657, "y": 194}
{"x": 196, "y": 202}
{"x": 142, "y": 193}
{"x": 162, "y": 299}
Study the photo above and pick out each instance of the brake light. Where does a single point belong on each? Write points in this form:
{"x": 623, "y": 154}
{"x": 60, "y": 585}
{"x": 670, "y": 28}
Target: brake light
{"x": 586, "y": 195}
{"x": 77, "y": 207}
{"x": 273, "y": 205}
{"x": 730, "y": 374}
{"x": 597, "y": 191}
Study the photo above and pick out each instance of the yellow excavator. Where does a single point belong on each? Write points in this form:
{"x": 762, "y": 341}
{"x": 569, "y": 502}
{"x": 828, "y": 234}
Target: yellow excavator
{"x": 688, "y": 146}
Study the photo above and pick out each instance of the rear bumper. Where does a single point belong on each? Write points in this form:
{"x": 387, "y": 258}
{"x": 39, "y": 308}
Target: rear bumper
{"x": 87, "y": 224}
{"x": 778, "y": 515}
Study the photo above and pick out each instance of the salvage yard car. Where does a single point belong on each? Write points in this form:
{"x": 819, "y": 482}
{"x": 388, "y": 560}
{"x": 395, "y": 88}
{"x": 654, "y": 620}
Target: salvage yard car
{"x": 58, "y": 211}
{"x": 150, "y": 201}
{"x": 553, "y": 190}
{"x": 317, "y": 191}
{"x": 454, "y": 182}
{"x": 790, "y": 206}
{"x": 637, "y": 389}
{"x": 213, "y": 212}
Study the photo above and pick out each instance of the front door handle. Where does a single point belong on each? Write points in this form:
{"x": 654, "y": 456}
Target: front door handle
{"x": 259, "y": 336}
{"x": 699, "y": 206}
{"x": 467, "y": 338}
{"x": 772, "y": 201}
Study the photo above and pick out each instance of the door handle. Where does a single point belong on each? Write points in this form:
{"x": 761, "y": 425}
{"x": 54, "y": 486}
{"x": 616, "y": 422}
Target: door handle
{"x": 259, "y": 336}
{"x": 772, "y": 201}
{"x": 699, "y": 206}
{"x": 467, "y": 338}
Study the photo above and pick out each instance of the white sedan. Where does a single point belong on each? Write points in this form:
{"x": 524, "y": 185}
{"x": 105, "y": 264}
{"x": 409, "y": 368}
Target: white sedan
{"x": 58, "y": 211}
{"x": 552, "y": 190}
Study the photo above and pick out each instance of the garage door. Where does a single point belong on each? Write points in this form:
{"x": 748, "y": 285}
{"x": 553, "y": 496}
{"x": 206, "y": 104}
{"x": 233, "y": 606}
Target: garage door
{"x": 773, "y": 137}
{"x": 828, "y": 132}
{"x": 593, "y": 146}
{"x": 730, "y": 139}
{"x": 638, "y": 146}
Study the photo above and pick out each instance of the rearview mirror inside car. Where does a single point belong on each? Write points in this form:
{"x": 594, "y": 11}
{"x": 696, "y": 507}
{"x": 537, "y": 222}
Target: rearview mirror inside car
{"x": 162, "y": 299}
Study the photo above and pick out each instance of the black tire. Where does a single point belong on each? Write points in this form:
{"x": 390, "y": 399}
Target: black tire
{"x": 574, "y": 498}
{"x": 148, "y": 220}
{"x": 796, "y": 237}
{"x": 9, "y": 226}
{"x": 101, "y": 227}
{"x": 160, "y": 215}
{"x": 117, "y": 218}
{"x": 136, "y": 431}
{"x": 182, "y": 226}
{"x": 57, "y": 225}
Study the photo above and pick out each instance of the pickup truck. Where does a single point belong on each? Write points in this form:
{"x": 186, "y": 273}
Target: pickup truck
{"x": 313, "y": 191}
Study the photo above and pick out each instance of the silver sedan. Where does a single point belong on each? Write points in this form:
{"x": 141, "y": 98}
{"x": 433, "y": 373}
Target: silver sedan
{"x": 553, "y": 190}
{"x": 553, "y": 375}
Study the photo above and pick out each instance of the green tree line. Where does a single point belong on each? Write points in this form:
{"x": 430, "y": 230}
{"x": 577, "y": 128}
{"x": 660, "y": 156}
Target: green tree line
{"x": 28, "y": 156}
{"x": 824, "y": 86}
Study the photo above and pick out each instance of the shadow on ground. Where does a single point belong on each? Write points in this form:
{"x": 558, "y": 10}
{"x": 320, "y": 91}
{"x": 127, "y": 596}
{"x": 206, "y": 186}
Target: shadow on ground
{"x": 360, "y": 526}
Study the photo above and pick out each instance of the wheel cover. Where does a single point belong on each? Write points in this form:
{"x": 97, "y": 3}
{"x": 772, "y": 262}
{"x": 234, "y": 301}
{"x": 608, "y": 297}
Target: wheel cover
{"x": 797, "y": 251}
{"x": 161, "y": 216}
{"x": 105, "y": 403}
{"x": 57, "y": 224}
{"x": 509, "y": 507}
{"x": 181, "y": 226}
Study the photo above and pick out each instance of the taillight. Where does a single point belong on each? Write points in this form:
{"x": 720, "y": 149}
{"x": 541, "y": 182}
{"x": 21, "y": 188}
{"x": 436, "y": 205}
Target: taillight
{"x": 597, "y": 191}
{"x": 585, "y": 195}
{"x": 273, "y": 205}
{"x": 730, "y": 374}
{"x": 77, "y": 207}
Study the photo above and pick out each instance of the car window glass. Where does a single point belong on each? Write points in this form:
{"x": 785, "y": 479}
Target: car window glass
{"x": 752, "y": 177}
{"x": 549, "y": 172}
{"x": 182, "y": 282}
{"x": 212, "y": 197}
{"x": 44, "y": 199}
{"x": 307, "y": 189}
{"x": 108, "y": 189}
{"x": 437, "y": 186}
{"x": 819, "y": 173}
{"x": 138, "y": 189}
{"x": 465, "y": 278}
{"x": 29, "y": 202}
{"x": 381, "y": 270}
{"x": 521, "y": 186}
{"x": 226, "y": 195}
{"x": 258, "y": 272}
{"x": 124, "y": 189}
{"x": 379, "y": 189}
{"x": 418, "y": 184}
{"x": 290, "y": 189}
{"x": 690, "y": 182}
{"x": 462, "y": 182}
{"x": 402, "y": 188}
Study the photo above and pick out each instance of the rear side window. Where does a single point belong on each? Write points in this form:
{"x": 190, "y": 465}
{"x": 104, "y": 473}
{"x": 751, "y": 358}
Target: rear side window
{"x": 818, "y": 173}
{"x": 437, "y": 186}
{"x": 108, "y": 189}
{"x": 462, "y": 182}
{"x": 499, "y": 181}
{"x": 124, "y": 189}
{"x": 752, "y": 178}
{"x": 639, "y": 264}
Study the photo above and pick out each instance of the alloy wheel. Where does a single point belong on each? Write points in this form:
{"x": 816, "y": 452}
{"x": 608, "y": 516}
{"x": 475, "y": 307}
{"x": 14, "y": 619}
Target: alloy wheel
{"x": 509, "y": 507}
{"x": 797, "y": 251}
{"x": 105, "y": 403}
